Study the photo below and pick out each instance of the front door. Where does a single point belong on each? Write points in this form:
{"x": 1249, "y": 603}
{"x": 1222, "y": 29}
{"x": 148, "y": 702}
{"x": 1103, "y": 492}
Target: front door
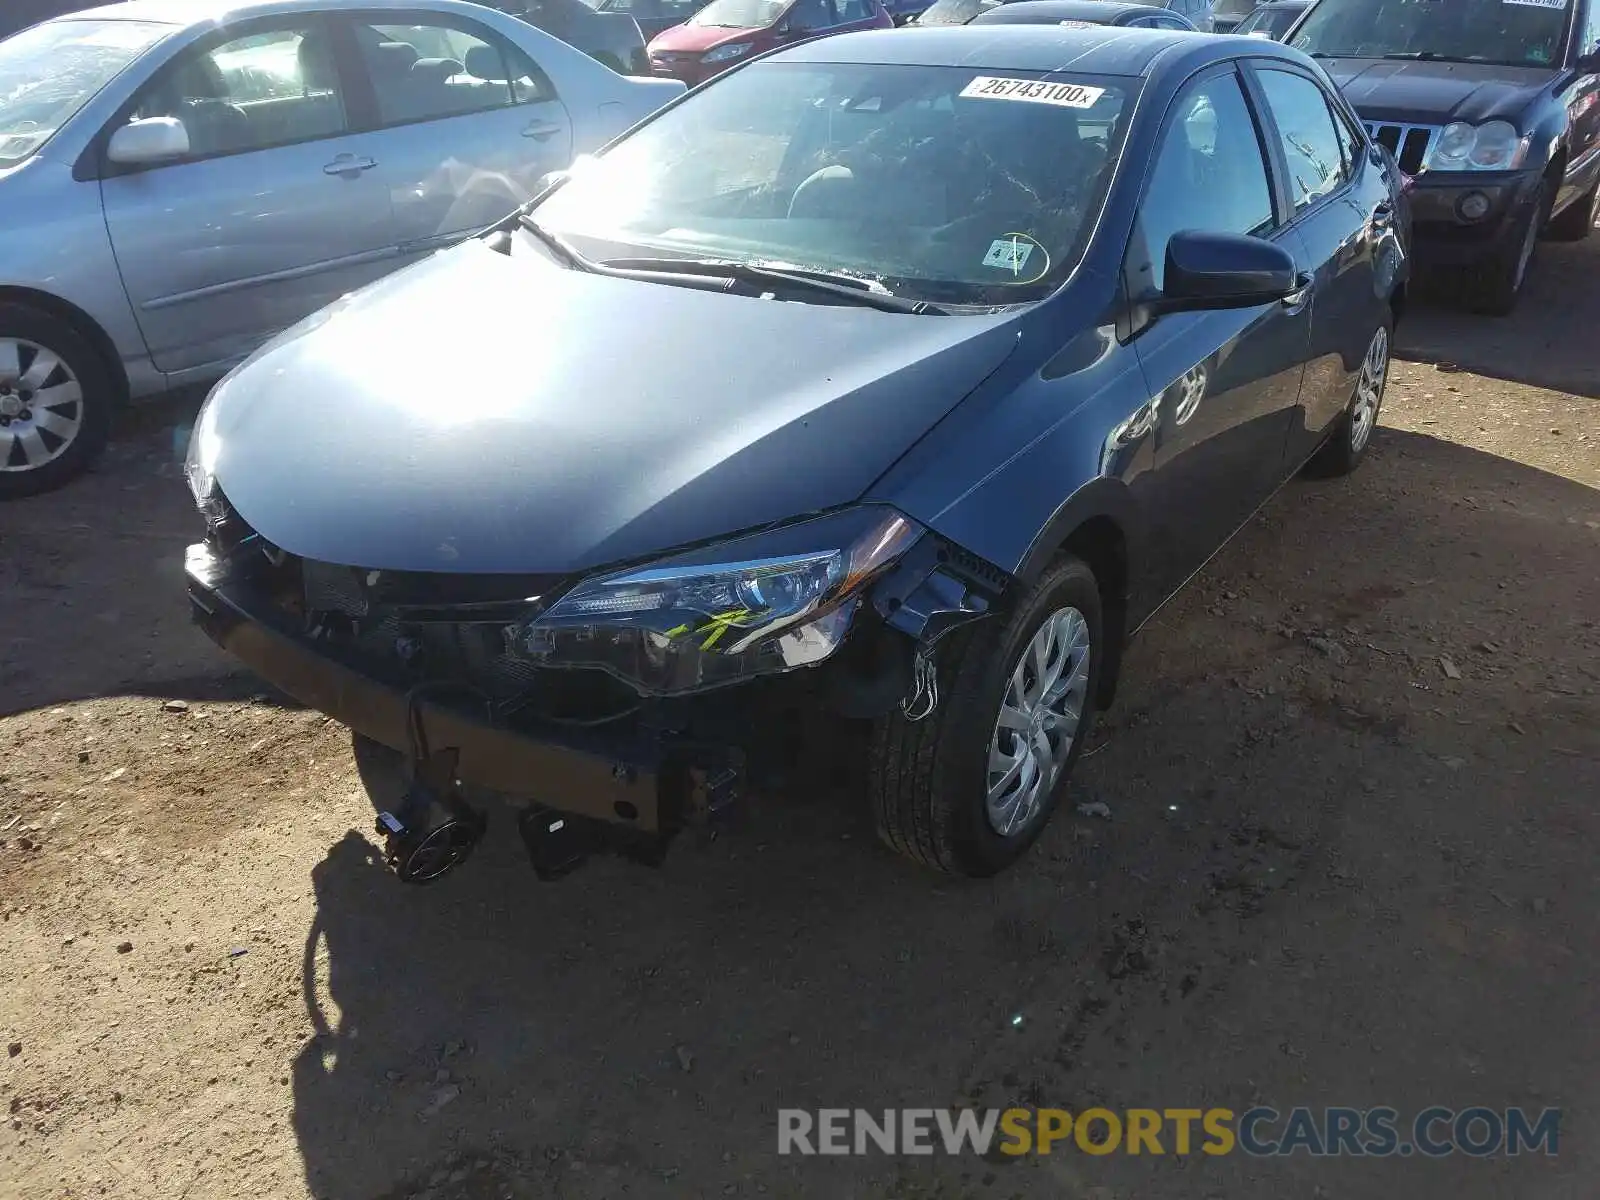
{"x": 277, "y": 210}
{"x": 466, "y": 123}
{"x": 1225, "y": 383}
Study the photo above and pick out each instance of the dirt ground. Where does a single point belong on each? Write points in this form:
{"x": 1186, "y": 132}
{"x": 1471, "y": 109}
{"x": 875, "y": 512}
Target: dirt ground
{"x": 1354, "y": 785}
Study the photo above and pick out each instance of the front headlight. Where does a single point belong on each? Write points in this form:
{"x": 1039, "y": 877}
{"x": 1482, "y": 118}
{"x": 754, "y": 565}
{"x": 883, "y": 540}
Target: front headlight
{"x": 1492, "y": 146}
{"x": 724, "y": 53}
{"x": 200, "y": 464}
{"x": 770, "y": 602}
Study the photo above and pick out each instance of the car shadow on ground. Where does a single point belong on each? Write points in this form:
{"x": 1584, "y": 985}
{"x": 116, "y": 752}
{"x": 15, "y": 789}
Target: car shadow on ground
{"x": 629, "y": 1030}
{"x": 1547, "y": 342}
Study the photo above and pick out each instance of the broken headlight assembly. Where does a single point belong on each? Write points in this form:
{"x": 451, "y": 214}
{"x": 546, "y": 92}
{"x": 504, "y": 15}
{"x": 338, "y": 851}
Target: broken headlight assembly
{"x": 200, "y": 465}
{"x": 769, "y": 602}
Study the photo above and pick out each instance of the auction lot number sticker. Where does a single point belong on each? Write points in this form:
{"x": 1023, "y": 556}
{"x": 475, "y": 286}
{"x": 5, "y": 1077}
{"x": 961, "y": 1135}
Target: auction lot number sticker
{"x": 1033, "y": 91}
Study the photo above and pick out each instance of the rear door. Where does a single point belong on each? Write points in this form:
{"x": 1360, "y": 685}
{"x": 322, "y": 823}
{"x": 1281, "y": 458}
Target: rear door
{"x": 464, "y": 121}
{"x": 1224, "y": 384}
{"x": 275, "y": 212}
{"x": 1340, "y": 207}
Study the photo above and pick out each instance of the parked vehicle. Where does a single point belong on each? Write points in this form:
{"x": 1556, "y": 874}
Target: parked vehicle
{"x": 654, "y": 16}
{"x": 1494, "y": 105}
{"x": 1080, "y": 14}
{"x": 613, "y": 37}
{"x": 726, "y": 32}
{"x": 931, "y": 472}
{"x": 1273, "y": 19}
{"x": 17, "y": 15}
{"x": 1189, "y": 14}
{"x": 215, "y": 183}
{"x": 1228, "y": 15}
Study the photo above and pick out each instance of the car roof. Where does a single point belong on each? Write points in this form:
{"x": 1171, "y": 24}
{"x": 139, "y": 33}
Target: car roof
{"x": 1101, "y": 12}
{"x": 1098, "y": 50}
{"x": 192, "y": 12}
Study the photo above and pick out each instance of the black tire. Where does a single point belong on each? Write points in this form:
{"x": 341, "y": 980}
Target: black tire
{"x": 927, "y": 779}
{"x": 1494, "y": 288}
{"x": 1576, "y": 221}
{"x": 98, "y": 393}
{"x": 1351, "y": 436}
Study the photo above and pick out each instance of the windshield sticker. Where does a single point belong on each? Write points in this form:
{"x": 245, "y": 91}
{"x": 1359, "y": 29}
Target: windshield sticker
{"x": 1013, "y": 252}
{"x": 1036, "y": 91}
{"x": 1558, "y": 5}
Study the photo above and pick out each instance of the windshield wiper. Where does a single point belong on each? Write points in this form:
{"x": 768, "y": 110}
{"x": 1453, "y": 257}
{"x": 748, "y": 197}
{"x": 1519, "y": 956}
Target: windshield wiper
{"x": 864, "y": 292}
{"x": 564, "y": 249}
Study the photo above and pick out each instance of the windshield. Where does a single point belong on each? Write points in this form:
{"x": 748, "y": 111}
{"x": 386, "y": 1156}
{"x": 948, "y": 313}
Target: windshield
{"x": 1518, "y": 33}
{"x": 1269, "y": 22}
{"x": 49, "y": 72}
{"x": 954, "y": 12}
{"x": 739, "y": 14}
{"x": 944, "y": 184}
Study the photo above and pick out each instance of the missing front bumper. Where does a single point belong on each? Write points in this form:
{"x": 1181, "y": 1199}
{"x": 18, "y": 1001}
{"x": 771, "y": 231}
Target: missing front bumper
{"x": 646, "y": 784}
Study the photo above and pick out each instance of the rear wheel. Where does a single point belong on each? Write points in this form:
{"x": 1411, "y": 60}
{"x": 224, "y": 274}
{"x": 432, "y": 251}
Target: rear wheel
{"x": 968, "y": 789}
{"x": 56, "y": 397}
{"x": 1347, "y": 445}
{"x": 1576, "y": 221}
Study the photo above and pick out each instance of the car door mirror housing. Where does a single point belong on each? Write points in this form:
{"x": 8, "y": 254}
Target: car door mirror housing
{"x": 1588, "y": 64}
{"x": 152, "y": 140}
{"x": 1224, "y": 270}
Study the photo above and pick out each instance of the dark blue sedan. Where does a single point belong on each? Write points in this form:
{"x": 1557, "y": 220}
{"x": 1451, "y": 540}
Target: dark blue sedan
{"x": 724, "y": 443}
{"x": 1080, "y": 14}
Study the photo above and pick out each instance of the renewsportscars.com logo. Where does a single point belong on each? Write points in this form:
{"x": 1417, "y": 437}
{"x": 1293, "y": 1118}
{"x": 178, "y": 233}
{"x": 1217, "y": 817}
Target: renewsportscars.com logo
{"x": 1434, "y": 1132}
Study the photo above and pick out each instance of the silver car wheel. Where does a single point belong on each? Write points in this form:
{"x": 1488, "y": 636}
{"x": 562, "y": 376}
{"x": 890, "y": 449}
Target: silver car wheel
{"x": 1369, "y": 390}
{"x": 1040, "y": 714}
{"x": 41, "y": 405}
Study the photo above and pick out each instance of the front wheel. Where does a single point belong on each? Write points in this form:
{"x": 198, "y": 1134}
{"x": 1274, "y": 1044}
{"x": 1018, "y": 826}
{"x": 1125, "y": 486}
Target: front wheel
{"x": 1576, "y": 221}
{"x": 1495, "y": 287}
{"x": 967, "y": 790}
{"x": 1347, "y": 445}
{"x": 56, "y": 397}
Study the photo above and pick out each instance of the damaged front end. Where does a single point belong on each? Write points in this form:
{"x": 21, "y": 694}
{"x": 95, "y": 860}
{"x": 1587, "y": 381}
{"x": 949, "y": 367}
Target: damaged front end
{"x": 621, "y": 706}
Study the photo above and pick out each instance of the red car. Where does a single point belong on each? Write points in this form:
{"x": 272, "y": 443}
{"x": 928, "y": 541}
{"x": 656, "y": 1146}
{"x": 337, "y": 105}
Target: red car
{"x": 726, "y": 32}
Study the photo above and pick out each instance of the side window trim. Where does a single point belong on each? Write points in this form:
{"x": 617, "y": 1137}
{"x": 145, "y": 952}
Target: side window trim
{"x": 1267, "y": 124}
{"x": 104, "y": 168}
{"x": 353, "y": 63}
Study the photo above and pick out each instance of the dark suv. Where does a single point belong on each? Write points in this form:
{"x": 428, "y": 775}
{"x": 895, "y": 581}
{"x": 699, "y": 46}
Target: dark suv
{"x": 1494, "y": 107}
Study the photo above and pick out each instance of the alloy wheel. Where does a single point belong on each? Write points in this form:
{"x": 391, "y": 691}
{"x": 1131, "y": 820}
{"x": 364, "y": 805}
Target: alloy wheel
{"x": 1369, "y": 390}
{"x": 1040, "y": 713}
{"x": 41, "y": 405}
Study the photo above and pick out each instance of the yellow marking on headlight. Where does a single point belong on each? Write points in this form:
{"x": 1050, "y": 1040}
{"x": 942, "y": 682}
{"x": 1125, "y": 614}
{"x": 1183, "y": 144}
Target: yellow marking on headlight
{"x": 720, "y": 623}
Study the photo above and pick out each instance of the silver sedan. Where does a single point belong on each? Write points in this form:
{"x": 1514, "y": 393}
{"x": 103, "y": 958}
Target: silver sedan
{"x": 182, "y": 179}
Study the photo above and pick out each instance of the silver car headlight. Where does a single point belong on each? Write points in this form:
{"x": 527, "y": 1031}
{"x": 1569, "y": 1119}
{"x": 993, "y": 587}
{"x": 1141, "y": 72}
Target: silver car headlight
{"x": 1492, "y": 146}
{"x": 200, "y": 463}
{"x": 769, "y": 602}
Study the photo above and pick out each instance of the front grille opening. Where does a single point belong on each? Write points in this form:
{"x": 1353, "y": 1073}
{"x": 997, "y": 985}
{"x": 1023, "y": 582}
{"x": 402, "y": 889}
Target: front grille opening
{"x": 1408, "y": 143}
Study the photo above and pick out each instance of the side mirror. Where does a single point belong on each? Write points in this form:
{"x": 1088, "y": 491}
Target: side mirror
{"x": 1225, "y": 270}
{"x": 152, "y": 140}
{"x": 1588, "y": 64}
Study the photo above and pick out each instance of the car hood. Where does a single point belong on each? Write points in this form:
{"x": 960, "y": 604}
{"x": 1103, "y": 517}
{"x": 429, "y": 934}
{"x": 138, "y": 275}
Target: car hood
{"x": 1434, "y": 93}
{"x": 682, "y": 39}
{"x": 486, "y": 413}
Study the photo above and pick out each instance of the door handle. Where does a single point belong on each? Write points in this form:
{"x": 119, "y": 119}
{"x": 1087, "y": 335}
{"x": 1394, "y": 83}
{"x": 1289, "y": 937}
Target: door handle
{"x": 541, "y": 131}
{"x": 1296, "y": 300}
{"x": 349, "y": 164}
